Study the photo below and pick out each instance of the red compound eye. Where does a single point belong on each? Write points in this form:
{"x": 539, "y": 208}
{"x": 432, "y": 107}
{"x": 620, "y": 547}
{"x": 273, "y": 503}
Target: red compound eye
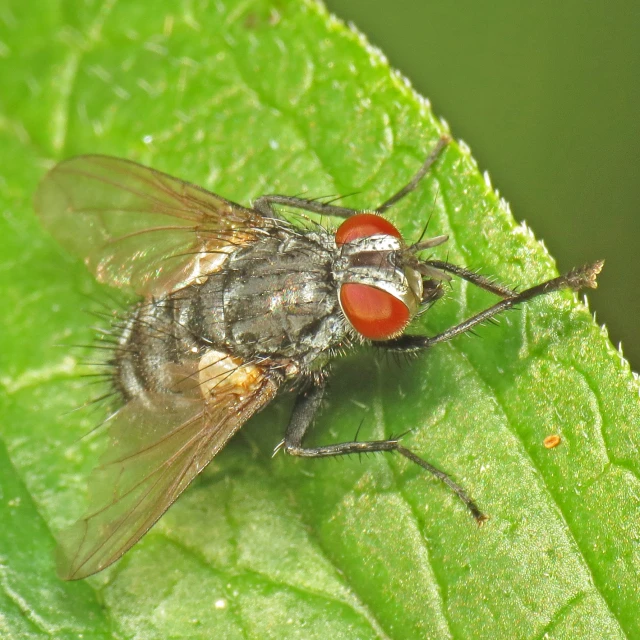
{"x": 363, "y": 225}
{"x": 374, "y": 313}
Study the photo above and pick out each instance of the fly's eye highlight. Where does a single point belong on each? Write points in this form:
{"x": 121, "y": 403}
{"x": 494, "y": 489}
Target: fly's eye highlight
{"x": 373, "y": 313}
{"x": 364, "y": 225}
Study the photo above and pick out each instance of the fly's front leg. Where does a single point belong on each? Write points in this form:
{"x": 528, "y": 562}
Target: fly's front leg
{"x": 304, "y": 411}
{"x": 264, "y": 204}
{"x": 575, "y": 280}
{"x": 474, "y": 278}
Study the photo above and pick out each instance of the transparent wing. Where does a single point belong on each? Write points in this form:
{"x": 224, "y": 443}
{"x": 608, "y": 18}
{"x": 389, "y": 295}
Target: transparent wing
{"x": 156, "y": 449}
{"x": 139, "y": 228}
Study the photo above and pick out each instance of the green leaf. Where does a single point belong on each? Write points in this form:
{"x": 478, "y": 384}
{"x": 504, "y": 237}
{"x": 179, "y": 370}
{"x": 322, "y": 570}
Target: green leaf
{"x": 249, "y": 97}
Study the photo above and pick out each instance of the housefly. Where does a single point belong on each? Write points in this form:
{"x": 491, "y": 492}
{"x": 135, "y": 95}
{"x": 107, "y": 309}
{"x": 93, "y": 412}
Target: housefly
{"x": 235, "y": 305}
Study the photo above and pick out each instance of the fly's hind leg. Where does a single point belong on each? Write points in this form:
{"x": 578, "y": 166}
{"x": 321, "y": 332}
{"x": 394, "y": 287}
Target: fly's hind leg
{"x": 264, "y": 204}
{"x": 304, "y": 411}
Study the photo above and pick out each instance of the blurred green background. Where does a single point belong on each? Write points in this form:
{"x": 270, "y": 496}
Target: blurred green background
{"x": 547, "y": 94}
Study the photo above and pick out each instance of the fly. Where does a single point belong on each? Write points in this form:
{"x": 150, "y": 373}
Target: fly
{"x": 235, "y": 305}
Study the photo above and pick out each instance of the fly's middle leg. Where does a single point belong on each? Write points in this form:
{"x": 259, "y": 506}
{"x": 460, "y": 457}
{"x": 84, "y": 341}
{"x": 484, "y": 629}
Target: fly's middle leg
{"x": 304, "y": 411}
{"x": 265, "y": 204}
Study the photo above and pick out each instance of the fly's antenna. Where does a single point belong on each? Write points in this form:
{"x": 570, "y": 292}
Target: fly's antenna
{"x": 426, "y": 224}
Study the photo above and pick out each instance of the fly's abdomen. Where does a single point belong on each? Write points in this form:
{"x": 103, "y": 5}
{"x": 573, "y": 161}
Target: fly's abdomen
{"x": 160, "y": 346}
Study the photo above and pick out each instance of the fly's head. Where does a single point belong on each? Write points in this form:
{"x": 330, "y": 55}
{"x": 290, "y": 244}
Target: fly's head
{"x": 382, "y": 282}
